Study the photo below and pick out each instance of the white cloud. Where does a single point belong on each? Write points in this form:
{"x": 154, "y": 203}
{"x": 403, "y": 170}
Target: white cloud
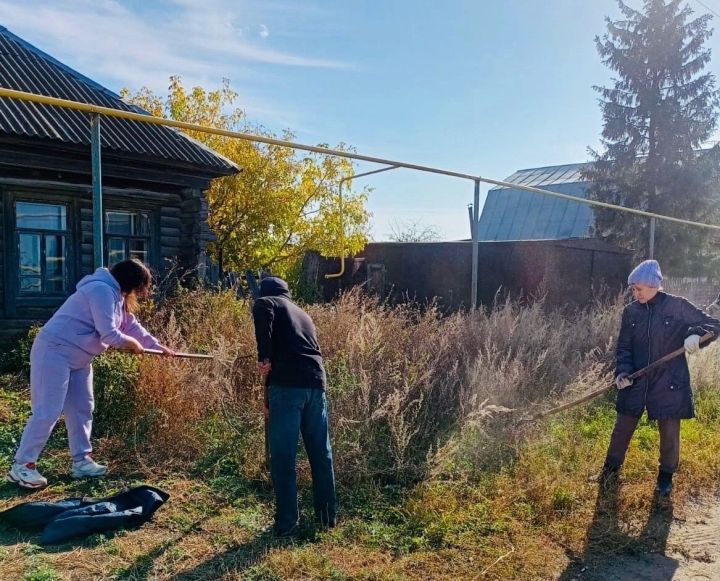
{"x": 193, "y": 36}
{"x": 211, "y": 26}
{"x": 120, "y": 45}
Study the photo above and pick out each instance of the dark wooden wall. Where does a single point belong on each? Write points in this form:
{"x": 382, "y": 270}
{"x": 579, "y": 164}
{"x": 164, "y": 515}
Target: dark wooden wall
{"x": 2, "y": 260}
{"x": 179, "y": 235}
{"x": 570, "y": 272}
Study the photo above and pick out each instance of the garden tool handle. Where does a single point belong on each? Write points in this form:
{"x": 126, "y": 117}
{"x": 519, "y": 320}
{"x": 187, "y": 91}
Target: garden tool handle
{"x": 665, "y": 358}
{"x": 639, "y": 373}
{"x": 266, "y": 420}
{"x": 179, "y": 354}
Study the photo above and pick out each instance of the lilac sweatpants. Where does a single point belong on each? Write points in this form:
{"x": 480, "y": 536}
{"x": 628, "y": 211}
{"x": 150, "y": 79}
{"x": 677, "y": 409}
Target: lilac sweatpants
{"x": 60, "y": 382}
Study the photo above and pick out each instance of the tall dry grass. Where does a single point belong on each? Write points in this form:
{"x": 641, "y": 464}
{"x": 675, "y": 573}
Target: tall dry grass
{"x": 413, "y": 394}
{"x": 177, "y": 398}
{"x": 404, "y": 381}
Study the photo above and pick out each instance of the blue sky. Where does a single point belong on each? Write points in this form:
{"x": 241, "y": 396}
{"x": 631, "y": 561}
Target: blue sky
{"x": 483, "y": 87}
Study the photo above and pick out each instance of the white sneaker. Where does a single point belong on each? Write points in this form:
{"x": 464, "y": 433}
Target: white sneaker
{"x": 26, "y": 476}
{"x": 88, "y": 468}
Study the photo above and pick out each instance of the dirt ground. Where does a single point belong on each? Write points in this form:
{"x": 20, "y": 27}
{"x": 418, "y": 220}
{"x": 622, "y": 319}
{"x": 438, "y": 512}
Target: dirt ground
{"x": 692, "y": 553}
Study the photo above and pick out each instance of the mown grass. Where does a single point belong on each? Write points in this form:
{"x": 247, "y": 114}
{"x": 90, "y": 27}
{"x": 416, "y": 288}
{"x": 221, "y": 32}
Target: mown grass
{"x": 433, "y": 482}
{"x": 528, "y": 519}
{"x": 531, "y": 519}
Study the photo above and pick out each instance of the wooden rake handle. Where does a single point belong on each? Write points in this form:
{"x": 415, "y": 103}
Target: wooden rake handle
{"x": 179, "y": 354}
{"x": 594, "y": 394}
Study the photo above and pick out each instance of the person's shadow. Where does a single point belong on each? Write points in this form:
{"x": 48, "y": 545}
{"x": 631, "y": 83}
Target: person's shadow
{"x": 236, "y": 560}
{"x": 612, "y": 554}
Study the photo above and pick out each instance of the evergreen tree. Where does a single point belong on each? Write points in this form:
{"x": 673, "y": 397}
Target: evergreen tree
{"x": 661, "y": 109}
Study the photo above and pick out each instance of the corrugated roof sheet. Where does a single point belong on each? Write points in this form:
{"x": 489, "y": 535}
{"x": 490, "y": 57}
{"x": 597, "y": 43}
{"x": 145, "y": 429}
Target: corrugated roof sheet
{"x": 514, "y": 214}
{"x": 24, "y": 67}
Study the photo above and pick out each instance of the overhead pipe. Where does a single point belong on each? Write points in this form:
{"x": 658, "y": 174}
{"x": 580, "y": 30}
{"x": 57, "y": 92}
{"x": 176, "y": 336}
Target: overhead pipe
{"x": 342, "y": 223}
{"x": 145, "y": 118}
{"x": 142, "y": 118}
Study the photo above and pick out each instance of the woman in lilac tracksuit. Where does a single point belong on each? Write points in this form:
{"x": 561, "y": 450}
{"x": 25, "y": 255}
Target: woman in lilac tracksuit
{"x": 97, "y": 316}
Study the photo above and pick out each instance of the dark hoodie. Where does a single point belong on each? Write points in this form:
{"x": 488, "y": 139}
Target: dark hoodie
{"x": 286, "y": 337}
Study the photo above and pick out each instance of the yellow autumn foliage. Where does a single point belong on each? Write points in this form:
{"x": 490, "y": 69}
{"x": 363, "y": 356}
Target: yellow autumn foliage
{"x": 283, "y": 203}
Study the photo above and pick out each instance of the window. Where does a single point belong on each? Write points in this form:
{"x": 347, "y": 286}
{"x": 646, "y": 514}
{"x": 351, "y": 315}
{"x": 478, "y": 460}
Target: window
{"x": 41, "y": 242}
{"x": 127, "y": 235}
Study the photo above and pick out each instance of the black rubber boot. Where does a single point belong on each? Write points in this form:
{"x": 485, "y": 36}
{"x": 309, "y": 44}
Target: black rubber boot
{"x": 608, "y": 475}
{"x": 664, "y": 483}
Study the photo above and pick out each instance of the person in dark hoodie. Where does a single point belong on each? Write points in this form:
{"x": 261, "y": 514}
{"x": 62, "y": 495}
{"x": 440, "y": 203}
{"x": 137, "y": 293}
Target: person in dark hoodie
{"x": 654, "y": 324}
{"x": 289, "y": 358}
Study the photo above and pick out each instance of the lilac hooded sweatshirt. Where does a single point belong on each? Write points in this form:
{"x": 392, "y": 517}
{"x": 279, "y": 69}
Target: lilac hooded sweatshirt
{"x": 93, "y": 317}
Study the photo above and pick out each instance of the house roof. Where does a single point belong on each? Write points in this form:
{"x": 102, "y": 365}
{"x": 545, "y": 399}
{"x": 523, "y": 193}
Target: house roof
{"x": 515, "y": 214}
{"x": 24, "y": 67}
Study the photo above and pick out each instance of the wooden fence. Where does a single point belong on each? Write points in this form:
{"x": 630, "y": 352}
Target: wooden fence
{"x": 699, "y": 291}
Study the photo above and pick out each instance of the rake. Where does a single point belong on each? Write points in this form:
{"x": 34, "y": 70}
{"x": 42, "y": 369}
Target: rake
{"x": 597, "y": 393}
{"x": 179, "y": 354}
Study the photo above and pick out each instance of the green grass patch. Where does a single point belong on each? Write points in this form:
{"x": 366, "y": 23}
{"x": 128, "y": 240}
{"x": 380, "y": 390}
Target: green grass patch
{"x": 432, "y": 483}
{"x": 42, "y": 572}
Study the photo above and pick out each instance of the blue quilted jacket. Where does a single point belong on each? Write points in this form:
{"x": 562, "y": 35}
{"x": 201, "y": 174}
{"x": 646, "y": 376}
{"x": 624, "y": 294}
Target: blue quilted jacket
{"x": 647, "y": 333}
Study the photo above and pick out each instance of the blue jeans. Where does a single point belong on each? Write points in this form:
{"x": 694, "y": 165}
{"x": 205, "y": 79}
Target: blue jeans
{"x": 295, "y": 410}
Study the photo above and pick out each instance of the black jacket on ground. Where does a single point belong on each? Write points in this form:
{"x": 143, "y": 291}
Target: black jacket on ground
{"x": 286, "y": 337}
{"x": 79, "y": 517}
{"x": 647, "y": 333}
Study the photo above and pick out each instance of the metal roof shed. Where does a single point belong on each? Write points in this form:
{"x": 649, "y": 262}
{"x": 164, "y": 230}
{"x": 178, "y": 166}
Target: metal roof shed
{"x": 514, "y": 214}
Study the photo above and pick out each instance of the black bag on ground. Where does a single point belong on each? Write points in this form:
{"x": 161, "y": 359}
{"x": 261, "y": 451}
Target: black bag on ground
{"x": 80, "y": 517}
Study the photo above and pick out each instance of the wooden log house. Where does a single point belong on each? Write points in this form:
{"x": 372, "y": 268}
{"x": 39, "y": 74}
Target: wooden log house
{"x": 154, "y": 179}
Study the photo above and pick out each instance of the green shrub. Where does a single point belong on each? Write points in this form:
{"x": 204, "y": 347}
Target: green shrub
{"x": 42, "y": 572}
{"x": 14, "y": 410}
{"x": 117, "y": 408}
{"x": 16, "y": 359}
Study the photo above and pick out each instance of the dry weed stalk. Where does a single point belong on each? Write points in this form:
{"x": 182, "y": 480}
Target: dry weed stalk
{"x": 403, "y": 380}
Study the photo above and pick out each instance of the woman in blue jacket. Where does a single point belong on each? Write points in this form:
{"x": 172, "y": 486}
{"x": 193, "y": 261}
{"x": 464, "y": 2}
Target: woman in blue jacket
{"x": 655, "y": 324}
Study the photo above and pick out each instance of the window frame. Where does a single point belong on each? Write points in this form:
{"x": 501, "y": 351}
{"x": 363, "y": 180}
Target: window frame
{"x": 43, "y": 234}
{"x": 149, "y": 238}
{"x": 11, "y": 195}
